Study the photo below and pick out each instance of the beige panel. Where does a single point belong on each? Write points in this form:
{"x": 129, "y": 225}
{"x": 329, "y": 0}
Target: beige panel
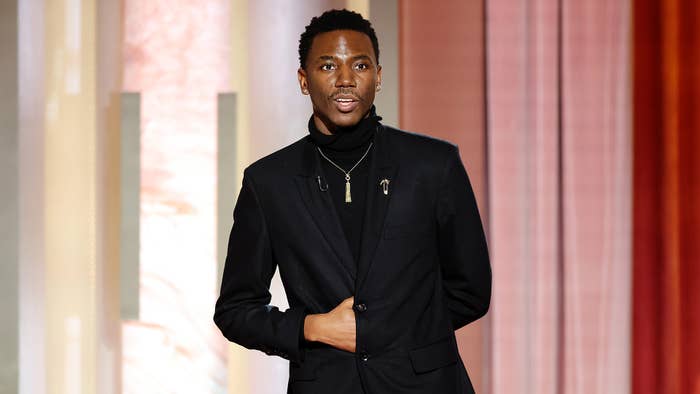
{"x": 237, "y": 357}
{"x": 81, "y": 116}
{"x": 240, "y": 79}
{"x": 359, "y": 6}
{"x": 70, "y": 221}
{"x": 228, "y": 183}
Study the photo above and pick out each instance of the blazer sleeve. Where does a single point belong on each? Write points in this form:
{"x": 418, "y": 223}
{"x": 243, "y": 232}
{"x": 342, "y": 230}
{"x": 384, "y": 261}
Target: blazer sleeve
{"x": 463, "y": 253}
{"x": 242, "y": 311}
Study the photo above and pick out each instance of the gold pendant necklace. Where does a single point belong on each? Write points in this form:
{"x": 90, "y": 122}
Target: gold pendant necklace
{"x": 348, "y": 196}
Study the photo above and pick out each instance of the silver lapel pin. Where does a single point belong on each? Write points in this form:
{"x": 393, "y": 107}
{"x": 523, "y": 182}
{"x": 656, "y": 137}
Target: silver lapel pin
{"x": 385, "y": 186}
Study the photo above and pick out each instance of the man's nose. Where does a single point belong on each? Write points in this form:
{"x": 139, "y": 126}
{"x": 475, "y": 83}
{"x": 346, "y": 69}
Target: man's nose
{"x": 345, "y": 76}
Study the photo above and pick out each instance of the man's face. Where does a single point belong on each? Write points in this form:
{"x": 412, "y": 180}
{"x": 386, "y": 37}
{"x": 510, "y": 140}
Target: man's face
{"x": 341, "y": 77}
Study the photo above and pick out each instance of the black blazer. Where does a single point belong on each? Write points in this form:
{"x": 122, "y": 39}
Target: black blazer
{"x": 423, "y": 272}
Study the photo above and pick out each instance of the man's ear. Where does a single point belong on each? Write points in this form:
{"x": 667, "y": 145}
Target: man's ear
{"x": 379, "y": 76}
{"x": 303, "y": 84}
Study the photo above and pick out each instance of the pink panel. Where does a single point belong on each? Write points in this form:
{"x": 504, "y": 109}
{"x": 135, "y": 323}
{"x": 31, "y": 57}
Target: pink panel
{"x": 523, "y": 179}
{"x": 176, "y": 56}
{"x": 597, "y": 197}
{"x": 561, "y": 295}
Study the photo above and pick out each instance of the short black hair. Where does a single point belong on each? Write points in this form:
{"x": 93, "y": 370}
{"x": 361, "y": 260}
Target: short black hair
{"x": 332, "y": 20}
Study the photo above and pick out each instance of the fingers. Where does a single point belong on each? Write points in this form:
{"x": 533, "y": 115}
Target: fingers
{"x": 341, "y": 322}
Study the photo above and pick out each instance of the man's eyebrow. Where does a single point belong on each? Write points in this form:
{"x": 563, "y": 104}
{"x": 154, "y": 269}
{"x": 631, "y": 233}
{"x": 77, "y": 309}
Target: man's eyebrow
{"x": 364, "y": 57}
{"x": 358, "y": 57}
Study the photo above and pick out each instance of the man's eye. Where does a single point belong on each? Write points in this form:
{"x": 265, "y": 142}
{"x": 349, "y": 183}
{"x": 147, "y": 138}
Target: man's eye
{"x": 362, "y": 66}
{"x": 327, "y": 67}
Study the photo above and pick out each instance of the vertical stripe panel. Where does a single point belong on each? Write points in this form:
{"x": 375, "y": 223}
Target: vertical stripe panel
{"x": 596, "y": 169}
{"x": 524, "y": 193}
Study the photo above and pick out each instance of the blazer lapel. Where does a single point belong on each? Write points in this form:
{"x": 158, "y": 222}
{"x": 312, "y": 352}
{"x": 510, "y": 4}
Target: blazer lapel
{"x": 383, "y": 167}
{"x": 320, "y": 206}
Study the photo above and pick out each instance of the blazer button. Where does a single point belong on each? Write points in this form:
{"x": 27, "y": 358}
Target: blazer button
{"x": 364, "y": 356}
{"x": 360, "y": 307}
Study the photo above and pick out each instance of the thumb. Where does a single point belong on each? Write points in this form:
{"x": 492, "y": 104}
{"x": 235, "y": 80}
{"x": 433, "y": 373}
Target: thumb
{"x": 349, "y": 301}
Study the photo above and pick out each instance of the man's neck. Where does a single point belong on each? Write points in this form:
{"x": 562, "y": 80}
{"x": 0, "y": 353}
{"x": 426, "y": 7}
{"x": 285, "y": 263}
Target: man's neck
{"x": 344, "y": 139}
{"x": 329, "y": 128}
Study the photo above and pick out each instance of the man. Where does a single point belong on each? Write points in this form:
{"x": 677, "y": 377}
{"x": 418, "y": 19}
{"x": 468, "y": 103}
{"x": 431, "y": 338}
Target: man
{"x": 375, "y": 232}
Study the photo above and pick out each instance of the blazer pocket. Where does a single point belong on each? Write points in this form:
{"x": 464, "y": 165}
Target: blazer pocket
{"x": 433, "y": 356}
{"x": 302, "y": 371}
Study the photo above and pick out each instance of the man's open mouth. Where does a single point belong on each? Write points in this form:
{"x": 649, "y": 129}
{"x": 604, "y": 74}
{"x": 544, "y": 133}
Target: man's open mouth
{"x": 345, "y": 103}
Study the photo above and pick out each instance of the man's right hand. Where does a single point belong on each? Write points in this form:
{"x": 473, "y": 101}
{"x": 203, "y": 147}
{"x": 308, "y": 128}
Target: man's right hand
{"x": 335, "y": 328}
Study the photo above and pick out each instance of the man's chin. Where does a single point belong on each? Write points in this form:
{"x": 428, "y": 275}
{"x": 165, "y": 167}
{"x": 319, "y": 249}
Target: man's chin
{"x": 339, "y": 121}
{"x": 345, "y": 121}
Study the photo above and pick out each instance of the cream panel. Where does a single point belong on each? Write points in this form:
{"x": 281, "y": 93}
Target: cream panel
{"x": 360, "y": 6}
{"x": 238, "y": 371}
{"x": 70, "y": 197}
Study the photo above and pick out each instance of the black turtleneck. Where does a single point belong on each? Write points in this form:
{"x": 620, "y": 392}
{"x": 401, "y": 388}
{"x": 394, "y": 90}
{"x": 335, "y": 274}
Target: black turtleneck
{"x": 345, "y": 148}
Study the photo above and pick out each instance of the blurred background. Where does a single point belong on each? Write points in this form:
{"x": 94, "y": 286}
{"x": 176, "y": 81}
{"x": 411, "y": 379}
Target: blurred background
{"x": 126, "y": 125}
